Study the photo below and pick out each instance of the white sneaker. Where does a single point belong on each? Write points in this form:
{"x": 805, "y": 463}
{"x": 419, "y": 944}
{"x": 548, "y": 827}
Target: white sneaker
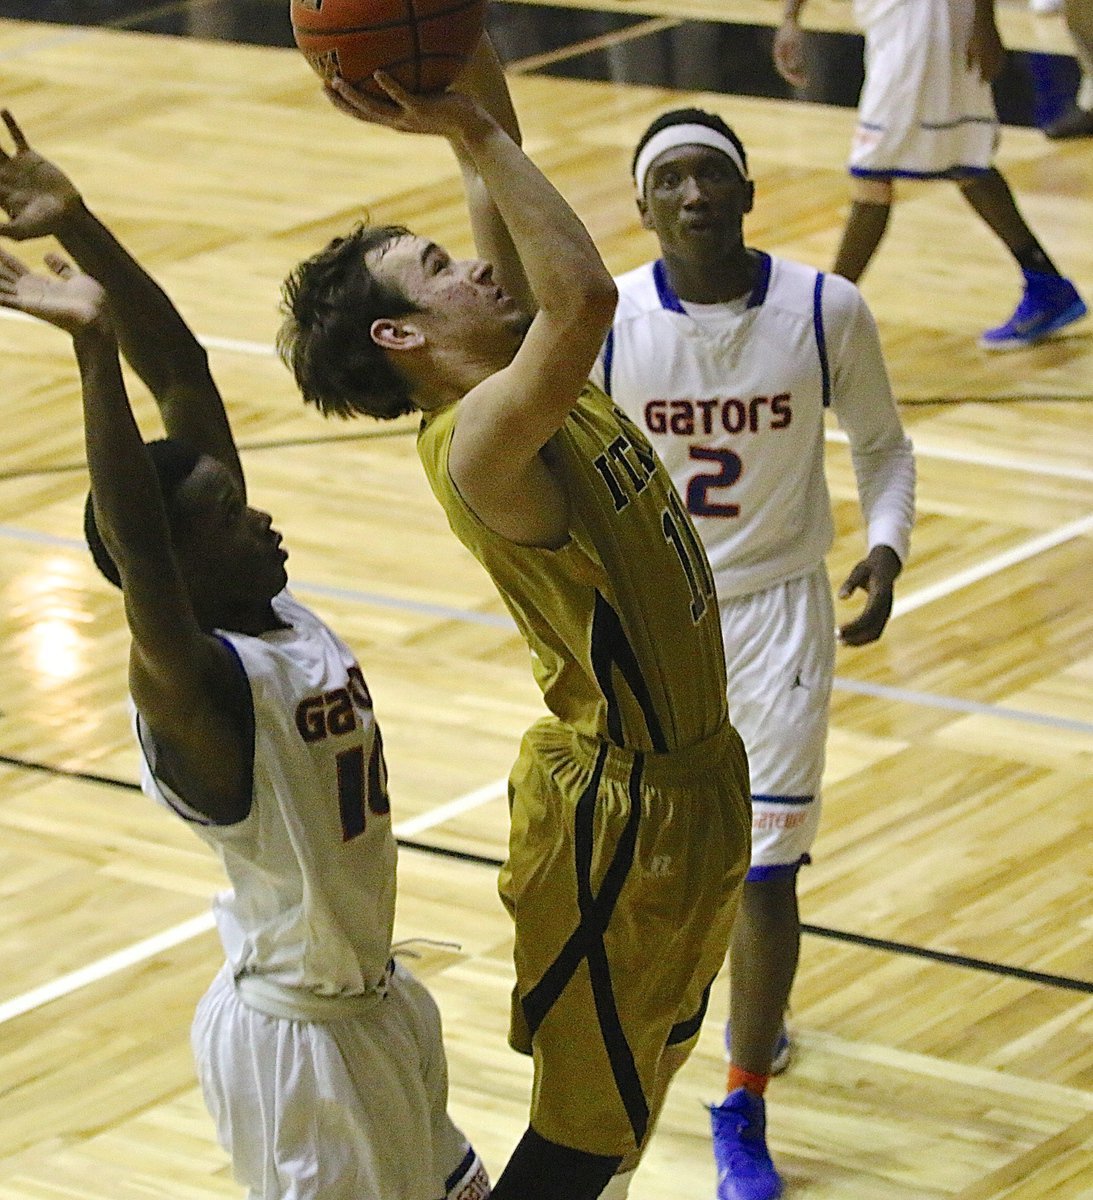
{"x": 783, "y": 1049}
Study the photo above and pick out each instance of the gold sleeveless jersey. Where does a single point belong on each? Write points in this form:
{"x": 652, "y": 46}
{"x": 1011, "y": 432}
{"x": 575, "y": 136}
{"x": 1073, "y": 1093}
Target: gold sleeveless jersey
{"x": 622, "y": 621}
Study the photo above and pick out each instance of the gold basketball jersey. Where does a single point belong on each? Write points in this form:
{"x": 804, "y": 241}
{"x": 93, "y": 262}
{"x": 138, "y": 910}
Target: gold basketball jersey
{"x": 622, "y": 621}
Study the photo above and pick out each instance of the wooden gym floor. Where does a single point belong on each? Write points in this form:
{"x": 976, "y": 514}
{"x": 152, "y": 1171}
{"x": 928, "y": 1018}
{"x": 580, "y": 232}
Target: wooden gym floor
{"x": 943, "y": 1007}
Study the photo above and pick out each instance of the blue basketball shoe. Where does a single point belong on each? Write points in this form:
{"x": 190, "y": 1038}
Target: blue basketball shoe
{"x": 783, "y": 1049}
{"x": 744, "y": 1167}
{"x": 1049, "y": 303}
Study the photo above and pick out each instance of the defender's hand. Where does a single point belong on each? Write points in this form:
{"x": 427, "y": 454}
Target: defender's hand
{"x": 37, "y": 196}
{"x": 65, "y": 298}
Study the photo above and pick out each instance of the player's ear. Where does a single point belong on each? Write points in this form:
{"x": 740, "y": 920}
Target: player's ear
{"x": 749, "y": 196}
{"x": 643, "y": 212}
{"x": 393, "y": 334}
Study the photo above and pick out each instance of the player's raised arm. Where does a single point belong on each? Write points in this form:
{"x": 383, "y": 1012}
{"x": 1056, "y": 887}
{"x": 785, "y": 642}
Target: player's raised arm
{"x": 484, "y": 80}
{"x": 184, "y": 682}
{"x": 41, "y": 200}
{"x": 505, "y": 420}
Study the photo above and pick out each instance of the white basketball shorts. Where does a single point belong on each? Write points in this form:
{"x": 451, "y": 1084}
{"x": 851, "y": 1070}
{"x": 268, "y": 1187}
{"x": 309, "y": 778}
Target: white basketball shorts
{"x": 780, "y": 657}
{"x": 922, "y": 113}
{"x": 348, "y": 1109}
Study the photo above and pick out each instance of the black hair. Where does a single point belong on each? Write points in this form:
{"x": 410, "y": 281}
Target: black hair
{"x": 329, "y": 302}
{"x": 174, "y": 462}
{"x": 689, "y": 116}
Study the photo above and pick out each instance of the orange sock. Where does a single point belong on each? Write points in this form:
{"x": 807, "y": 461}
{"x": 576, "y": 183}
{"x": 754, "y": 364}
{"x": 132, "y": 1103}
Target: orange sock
{"x": 739, "y": 1078}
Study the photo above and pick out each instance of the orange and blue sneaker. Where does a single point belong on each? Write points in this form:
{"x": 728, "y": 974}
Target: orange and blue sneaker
{"x": 1049, "y": 303}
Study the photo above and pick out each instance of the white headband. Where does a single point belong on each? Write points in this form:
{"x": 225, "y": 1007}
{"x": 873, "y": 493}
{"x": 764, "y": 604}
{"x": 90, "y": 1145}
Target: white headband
{"x": 683, "y": 135}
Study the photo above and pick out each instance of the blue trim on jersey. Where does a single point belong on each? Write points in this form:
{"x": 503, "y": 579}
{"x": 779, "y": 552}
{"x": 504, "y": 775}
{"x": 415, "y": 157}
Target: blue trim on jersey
{"x": 190, "y": 815}
{"x": 765, "y": 799}
{"x": 821, "y": 340}
{"x": 668, "y": 297}
{"x": 608, "y": 359}
{"x": 670, "y": 301}
{"x": 762, "y": 280}
{"x": 771, "y": 870}
{"x": 253, "y": 719}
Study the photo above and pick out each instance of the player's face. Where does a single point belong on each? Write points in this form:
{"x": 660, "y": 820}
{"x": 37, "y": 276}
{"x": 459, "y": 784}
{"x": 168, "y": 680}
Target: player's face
{"x": 695, "y": 200}
{"x": 458, "y": 298}
{"x": 224, "y": 547}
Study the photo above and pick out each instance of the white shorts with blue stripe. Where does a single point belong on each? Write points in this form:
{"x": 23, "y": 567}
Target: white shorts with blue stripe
{"x": 922, "y": 114}
{"x": 780, "y": 655}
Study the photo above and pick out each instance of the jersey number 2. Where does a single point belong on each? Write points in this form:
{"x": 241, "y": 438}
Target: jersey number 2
{"x": 729, "y": 468}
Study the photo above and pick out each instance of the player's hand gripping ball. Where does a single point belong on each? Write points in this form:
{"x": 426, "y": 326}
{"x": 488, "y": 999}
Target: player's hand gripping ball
{"x": 423, "y": 44}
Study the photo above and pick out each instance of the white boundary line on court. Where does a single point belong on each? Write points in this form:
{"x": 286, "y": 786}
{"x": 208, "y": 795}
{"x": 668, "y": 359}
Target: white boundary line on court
{"x": 63, "y": 985}
{"x": 980, "y": 458}
{"x": 149, "y": 947}
{"x": 454, "y": 808}
{"x": 992, "y": 566}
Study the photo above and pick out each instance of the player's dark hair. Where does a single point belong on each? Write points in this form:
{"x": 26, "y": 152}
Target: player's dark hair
{"x": 330, "y": 301}
{"x": 173, "y": 462}
{"x": 689, "y": 116}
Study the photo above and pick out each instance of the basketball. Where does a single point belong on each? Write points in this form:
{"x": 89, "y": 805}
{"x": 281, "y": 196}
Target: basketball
{"x": 423, "y": 44}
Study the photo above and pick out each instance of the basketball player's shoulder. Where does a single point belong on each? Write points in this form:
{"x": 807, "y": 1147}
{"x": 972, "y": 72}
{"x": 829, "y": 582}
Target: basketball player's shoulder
{"x": 796, "y": 284}
{"x": 434, "y": 438}
{"x": 805, "y": 295}
{"x": 792, "y": 284}
{"x": 637, "y": 293}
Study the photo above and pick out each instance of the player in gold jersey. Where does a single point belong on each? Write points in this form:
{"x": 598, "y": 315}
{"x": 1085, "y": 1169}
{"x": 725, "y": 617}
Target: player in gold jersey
{"x": 629, "y": 804}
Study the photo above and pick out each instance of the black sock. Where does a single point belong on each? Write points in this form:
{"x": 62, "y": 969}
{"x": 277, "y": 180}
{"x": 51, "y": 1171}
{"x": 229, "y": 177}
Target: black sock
{"x": 543, "y": 1170}
{"x": 1033, "y": 258}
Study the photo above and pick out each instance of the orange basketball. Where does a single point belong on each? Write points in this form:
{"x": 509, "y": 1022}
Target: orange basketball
{"x": 423, "y": 44}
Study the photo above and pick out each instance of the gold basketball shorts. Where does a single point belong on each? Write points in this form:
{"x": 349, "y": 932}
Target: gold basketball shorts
{"x": 623, "y": 877}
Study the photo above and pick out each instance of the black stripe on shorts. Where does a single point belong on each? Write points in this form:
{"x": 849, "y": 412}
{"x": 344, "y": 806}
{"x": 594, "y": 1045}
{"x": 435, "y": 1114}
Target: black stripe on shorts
{"x": 586, "y": 942}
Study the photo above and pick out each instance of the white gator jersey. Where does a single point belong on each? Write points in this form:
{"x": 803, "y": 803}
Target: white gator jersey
{"x": 312, "y": 866}
{"x": 732, "y": 396}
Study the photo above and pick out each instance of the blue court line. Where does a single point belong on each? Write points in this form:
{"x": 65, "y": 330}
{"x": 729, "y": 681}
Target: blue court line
{"x": 470, "y": 616}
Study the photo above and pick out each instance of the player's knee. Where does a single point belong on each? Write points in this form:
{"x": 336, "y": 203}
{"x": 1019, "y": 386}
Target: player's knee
{"x": 871, "y": 191}
{"x": 773, "y": 896}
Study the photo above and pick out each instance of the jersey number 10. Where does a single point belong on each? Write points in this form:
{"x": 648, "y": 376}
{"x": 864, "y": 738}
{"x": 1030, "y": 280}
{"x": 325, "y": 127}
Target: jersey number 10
{"x": 360, "y": 793}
